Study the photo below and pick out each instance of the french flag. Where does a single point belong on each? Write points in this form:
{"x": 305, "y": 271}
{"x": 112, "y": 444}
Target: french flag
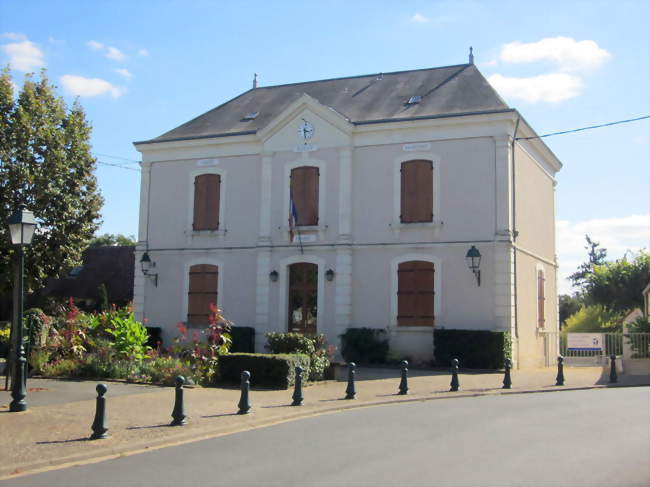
{"x": 293, "y": 217}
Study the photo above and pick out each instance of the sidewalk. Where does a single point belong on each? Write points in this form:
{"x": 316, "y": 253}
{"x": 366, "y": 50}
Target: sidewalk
{"x": 56, "y": 433}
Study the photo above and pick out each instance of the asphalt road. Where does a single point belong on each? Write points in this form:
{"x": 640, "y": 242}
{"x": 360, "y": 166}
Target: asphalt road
{"x": 573, "y": 438}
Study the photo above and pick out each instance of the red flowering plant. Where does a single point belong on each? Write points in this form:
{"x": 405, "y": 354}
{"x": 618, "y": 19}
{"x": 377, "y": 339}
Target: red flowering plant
{"x": 68, "y": 338}
{"x": 202, "y": 348}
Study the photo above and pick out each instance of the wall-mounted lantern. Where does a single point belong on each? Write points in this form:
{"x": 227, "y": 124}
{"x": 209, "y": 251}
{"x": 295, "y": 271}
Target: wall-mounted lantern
{"x": 148, "y": 266}
{"x": 273, "y": 275}
{"x": 329, "y": 275}
{"x": 473, "y": 259}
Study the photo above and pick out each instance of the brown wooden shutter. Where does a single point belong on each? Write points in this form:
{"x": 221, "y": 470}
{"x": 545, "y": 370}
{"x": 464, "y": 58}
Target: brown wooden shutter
{"x": 304, "y": 189}
{"x": 415, "y": 293}
{"x": 416, "y": 191}
{"x": 207, "y": 190}
{"x": 540, "y": 299}
{"x": 202, "y": 292}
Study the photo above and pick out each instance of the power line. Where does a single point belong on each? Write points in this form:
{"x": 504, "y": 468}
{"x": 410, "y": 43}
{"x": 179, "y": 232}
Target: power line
{"x": 584, "y": 128}
{"x": 117, "y": 165}
{"x": 117, "y": 157}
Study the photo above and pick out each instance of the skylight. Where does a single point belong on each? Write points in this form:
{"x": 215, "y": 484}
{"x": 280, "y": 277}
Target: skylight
{"x": 414, "y": 100}
{"x": 250, "y": 116}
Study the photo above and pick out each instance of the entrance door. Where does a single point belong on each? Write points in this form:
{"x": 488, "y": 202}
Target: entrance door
{"x": 303, "y": 296}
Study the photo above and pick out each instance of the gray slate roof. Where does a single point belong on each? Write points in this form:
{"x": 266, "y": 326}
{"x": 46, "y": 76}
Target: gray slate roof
{"x": 445, "y": 91}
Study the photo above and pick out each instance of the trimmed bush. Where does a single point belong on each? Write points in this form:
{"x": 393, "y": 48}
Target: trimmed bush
{"x": 243, "y": 339}
{"x": 275, "y": 371}
{"x": 290, "y": 343}
{"x": 364, "y": 345}
{"x": 475, "y": 349}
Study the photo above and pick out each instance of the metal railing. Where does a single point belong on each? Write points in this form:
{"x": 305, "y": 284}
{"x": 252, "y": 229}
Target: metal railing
{"x": 638, "y": 344}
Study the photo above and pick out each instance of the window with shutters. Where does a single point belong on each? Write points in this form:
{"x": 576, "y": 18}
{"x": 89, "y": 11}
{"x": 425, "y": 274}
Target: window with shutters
{"x": 202, "y": 291}
{"x": 207, "y": 196}
{"x": 416, "y": 205}
{"x": 304, "y": 192}
{"x": 415, "y": 293}
{"x": 540, "y": 298}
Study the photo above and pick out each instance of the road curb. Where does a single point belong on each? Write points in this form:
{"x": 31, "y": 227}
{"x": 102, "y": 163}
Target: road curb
{"x": 190, "y": 437}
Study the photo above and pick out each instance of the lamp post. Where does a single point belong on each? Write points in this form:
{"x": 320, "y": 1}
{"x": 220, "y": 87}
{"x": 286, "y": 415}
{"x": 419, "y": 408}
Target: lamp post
{"x": 21, "y": 229}
{"x": 147, "y": 266}
{"x": 473, "y": 258}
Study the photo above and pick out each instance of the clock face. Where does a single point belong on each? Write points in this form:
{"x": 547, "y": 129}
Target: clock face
{"x": 306, "y": 130}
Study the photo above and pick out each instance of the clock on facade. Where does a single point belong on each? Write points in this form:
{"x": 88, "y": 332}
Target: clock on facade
{"x": 306, "y": 130}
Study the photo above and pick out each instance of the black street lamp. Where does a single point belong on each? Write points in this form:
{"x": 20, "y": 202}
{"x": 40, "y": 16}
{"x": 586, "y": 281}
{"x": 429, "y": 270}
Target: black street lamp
{"x": 21, "y": 229}
{"x": 473, "y": 259}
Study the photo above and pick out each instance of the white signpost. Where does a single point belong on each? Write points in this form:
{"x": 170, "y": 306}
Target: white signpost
{"x": 592, "y": 342}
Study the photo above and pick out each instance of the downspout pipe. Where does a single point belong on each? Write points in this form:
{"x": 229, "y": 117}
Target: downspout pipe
{"x": 515, "y": 233}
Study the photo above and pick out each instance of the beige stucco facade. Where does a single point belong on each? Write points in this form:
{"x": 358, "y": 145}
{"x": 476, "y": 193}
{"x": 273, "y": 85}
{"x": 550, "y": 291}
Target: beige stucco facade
{"x": 483, "y": 196}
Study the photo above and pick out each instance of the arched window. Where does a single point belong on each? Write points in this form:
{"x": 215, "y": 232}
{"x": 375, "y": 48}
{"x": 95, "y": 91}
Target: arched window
{"x": 415, "y": 293}
{"x": 416, "y": 191}
{"x": 540, "y": 298}
{"x": 207, "y": 194}
{"x": 203, "y": 290}
{"x": 304, "y": 193}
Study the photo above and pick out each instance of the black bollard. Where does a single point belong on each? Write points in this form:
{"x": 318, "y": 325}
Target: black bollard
{"x": 403, "y": 383}
{"x": 297, "y": 391}
{"x": 559, "y": 380}
{"x": 244, "y": 402}
{"x": 507, "y": 382}
{"x": 613, "y": 376}
{"x": 100, "y": 424}
{"x": 350, "y": 391}
{"x": 179, "y": 406}
{"x": 454, "y": 376}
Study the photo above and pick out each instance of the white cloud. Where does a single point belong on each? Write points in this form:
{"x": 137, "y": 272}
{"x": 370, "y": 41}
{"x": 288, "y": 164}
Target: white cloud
{"x": 124, "y": 72}
{"x": 568, "y": 53}
{"x": 95, "y": 45}
{"x": 80, "y": 86}
{"x": 109, "y": 51}
{"x": 554, "y": 87}
{"x": 617, "y": 235}
{"x": 420, "y": 19}
{"x": 14, "y": 36}
{"x": 24, "y": 56}
{"x": 143, "y": 52}
{"x": 115, "y": 54}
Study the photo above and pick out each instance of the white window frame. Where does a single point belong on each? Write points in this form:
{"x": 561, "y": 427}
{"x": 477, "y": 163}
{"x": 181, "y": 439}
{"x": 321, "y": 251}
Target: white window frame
{"x": 322, "y": 197}
{"x": 186, "y": 282}
{"x": 222, "y": 230}
{"x": 283, "y": 281}
{"x": 437, "y": 298}
{"x": 397, "y": 224}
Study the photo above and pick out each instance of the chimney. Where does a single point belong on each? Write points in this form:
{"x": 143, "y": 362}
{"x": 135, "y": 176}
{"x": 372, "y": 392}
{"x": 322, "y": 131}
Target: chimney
{"x": 471, "y": 55}
{"x": 255, "y": 81}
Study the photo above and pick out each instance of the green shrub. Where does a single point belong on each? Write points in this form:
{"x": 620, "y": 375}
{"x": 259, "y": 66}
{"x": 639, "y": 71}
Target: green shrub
{"x": 36, "y": 323}
{"x": 595, "y": 319}
{"x": 275, "y": 371}
{"x": 129, "y": 334}
{"x": 164, "y": 370}
{"x": 364, "y": 345}
{"x": 38, "y": 359}
{"x": 243, "y": 339}
{"x": 474, "y": 349}
{"x": 4, "y": 342}
{"x": 290, "y": 343}
{"x": 65, "y": 367}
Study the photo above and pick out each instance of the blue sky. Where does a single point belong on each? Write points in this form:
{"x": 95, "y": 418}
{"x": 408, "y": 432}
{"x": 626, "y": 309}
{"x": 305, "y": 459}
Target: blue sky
{"x": 144, "y": 67}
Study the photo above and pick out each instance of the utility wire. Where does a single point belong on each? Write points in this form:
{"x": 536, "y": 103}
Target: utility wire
{"x": 117, "y": 157}
{"x": 584, "y": 128}
{"x": 104, "y": 163}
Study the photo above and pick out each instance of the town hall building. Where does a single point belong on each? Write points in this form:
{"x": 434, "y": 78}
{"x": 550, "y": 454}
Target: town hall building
{"x": 404, "y": 201}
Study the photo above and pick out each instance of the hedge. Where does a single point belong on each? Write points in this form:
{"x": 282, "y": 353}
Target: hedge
{"x": 275, "y": 371}
{"x": 474, "y": 349}
{"x": 243, "y": 339}
{"x": 364, "y": 345}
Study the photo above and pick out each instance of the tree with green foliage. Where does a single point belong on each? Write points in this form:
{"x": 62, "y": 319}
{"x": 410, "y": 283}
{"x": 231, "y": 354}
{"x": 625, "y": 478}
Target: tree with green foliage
{"x": 45, "y": 165}
{"x": 594, "y": 319}
{"x": 618, "y": 285}
{"x": 595, "y": 256}
{"x": 112, "y": 240}
{"x": 569, "y": 305}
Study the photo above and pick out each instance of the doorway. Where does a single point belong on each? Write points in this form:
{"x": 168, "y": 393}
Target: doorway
{"x": 303, "y": 298}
